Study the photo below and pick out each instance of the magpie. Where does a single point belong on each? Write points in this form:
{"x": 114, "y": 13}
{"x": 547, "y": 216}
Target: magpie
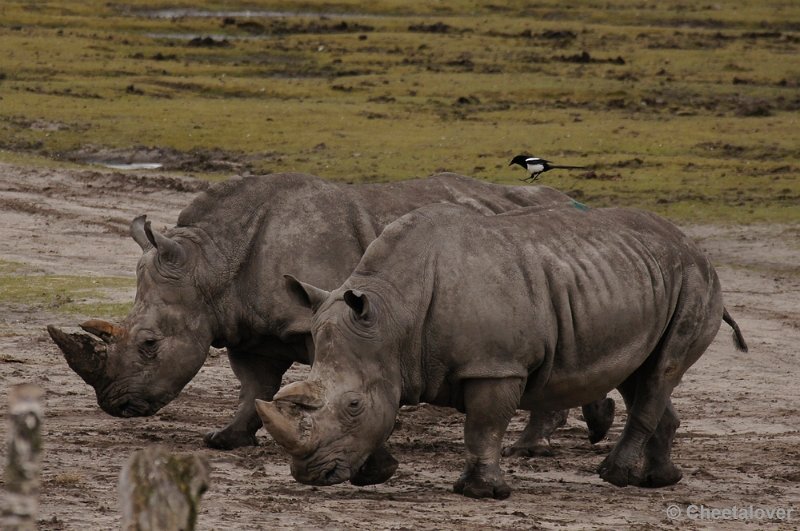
{"x": 537, "y": 166}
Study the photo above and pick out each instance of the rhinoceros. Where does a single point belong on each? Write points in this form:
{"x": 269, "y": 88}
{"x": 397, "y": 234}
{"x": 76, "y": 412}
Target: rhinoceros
{"x": 487, "y": 314}
{"x": 215, "y": 279}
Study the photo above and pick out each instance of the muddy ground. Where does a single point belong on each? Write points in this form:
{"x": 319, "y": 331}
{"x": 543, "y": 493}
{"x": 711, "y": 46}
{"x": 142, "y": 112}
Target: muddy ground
{"x": 738, "y": 445}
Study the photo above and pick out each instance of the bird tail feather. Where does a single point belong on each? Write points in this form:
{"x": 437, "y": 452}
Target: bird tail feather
{"x": 559, "y": 167}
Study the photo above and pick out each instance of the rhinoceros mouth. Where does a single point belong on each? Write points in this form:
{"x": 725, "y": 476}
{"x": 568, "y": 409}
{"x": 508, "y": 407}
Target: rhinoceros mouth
{"x": 322, "y": 474}
{"x": 129, "y": 407}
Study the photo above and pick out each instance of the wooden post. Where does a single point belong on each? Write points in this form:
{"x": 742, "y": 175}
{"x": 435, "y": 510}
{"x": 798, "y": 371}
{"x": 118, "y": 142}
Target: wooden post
{"x": 161, "y": 491}
{"x": 24, "y": 459}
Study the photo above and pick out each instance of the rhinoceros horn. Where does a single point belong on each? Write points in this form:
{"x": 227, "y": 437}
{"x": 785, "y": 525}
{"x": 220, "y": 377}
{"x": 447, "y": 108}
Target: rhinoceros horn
{"x": 148, "y": 238}
{"x": 85, "y": 354}
{"x": 138, "y": 233}
{"x": 286, "y": 418}
{"x": 168, "y": 249}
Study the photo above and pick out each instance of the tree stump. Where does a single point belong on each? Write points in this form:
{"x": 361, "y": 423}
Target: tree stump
{"x": 161, "y": 491}
{"x": 24, "y": 458}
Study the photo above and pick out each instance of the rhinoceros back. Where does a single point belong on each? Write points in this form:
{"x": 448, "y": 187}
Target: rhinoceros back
{"x": 542, "y": 294}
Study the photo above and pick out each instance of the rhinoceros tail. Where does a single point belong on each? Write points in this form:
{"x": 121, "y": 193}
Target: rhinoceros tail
{"x": 738, "y": 338}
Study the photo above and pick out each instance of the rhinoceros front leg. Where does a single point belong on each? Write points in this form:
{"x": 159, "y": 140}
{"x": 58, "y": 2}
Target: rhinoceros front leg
{"x": 489, "y": 405}
{"x": 260, "y": 376}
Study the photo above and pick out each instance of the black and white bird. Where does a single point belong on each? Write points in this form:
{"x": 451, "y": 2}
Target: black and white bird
{"x": 537, "y": 166}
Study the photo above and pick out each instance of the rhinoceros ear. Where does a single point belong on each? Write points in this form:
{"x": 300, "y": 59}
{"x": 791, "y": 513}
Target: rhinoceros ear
{"x": 305, "y": 294}
{"x": 138, "y": 233}
{"x": 169, "y": 251}
{"x": 358, "y": 302}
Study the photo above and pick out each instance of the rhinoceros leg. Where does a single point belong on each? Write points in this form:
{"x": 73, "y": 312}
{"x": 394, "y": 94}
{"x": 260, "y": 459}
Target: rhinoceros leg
{"x": 624, "y": 465}
{"x": 659, "y": 470}
{"x": 647, "y": 412}
{"x": 260, "y": 377}
{"x": 641, "y": 457}
{"x": 599, "y": 416}
{"x": 489, "y": 405}
{"x": 535, "y": 439}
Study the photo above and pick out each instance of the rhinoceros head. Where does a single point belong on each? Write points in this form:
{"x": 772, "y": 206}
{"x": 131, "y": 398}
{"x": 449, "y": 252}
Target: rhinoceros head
{"x": 332, "y": 422}
{"x": 141, "y": 365}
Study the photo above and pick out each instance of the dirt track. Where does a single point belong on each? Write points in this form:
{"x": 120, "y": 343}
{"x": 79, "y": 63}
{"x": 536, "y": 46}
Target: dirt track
{"x": 739, "y": 443}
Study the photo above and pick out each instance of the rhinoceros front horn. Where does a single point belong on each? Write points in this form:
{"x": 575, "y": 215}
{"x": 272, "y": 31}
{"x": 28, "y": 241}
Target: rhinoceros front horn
{"x": 288, "y": 424}
{"x": 85, "y": 354}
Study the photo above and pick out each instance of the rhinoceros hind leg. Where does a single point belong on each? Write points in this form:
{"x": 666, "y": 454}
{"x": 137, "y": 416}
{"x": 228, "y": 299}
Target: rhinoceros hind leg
{"x": 378, "y": 468}
{"x": 599, "y": 416}
{"x": 535, "y": 439}
{"x": 659, "y": 470}
{"x": 625, "y": 465}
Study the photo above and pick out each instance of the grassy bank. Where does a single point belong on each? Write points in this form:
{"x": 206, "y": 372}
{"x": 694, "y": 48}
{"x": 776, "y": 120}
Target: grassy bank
{"x": 688, "y": 111}
{"x": 22, "y": 287}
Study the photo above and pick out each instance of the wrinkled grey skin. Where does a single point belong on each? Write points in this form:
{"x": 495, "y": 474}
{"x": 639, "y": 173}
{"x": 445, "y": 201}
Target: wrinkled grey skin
{"x": 216, "y": 279}
{"x": 487, "y": 314}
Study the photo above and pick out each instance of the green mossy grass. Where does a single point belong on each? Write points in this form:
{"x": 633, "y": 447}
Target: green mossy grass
{"x": 76, "y": 295}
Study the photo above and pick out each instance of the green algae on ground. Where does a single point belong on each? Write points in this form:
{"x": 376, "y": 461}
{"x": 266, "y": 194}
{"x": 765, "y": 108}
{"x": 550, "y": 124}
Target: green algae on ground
{"x": 62, "y": 293}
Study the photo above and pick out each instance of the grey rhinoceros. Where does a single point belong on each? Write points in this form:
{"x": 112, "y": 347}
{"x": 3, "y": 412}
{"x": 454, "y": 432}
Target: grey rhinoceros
{"x": 542, "y": 310}
{"x": 216, "y": 279}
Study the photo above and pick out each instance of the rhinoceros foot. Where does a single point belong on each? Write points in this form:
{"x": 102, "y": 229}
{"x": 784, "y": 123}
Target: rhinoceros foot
{"x": 378, "y": 468}
{"x": 482, "y": 481}
{"x": 229, "y": 440}
{"x": 600, "y": 419}
{"x": 662, "y": 476}
{"x": 620, "y": 475}
{"x": 617, "y": 472}
{"x": 538, "y": 448}
{"x": 621, "y": 470}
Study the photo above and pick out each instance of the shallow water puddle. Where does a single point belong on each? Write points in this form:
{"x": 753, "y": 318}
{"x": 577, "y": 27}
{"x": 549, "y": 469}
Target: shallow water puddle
{"x": 201, "y": 13}
{"x": 132, "y": 165}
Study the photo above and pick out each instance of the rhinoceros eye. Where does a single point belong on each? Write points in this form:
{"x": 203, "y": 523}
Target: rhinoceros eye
{"x": 148, "y": 348}
{"x": 354, "y": 405}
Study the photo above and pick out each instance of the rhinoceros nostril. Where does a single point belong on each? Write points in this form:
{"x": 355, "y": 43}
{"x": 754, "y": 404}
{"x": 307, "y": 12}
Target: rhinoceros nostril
{"x": 125, "y": 409}
{"x": 329, "y": 475}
